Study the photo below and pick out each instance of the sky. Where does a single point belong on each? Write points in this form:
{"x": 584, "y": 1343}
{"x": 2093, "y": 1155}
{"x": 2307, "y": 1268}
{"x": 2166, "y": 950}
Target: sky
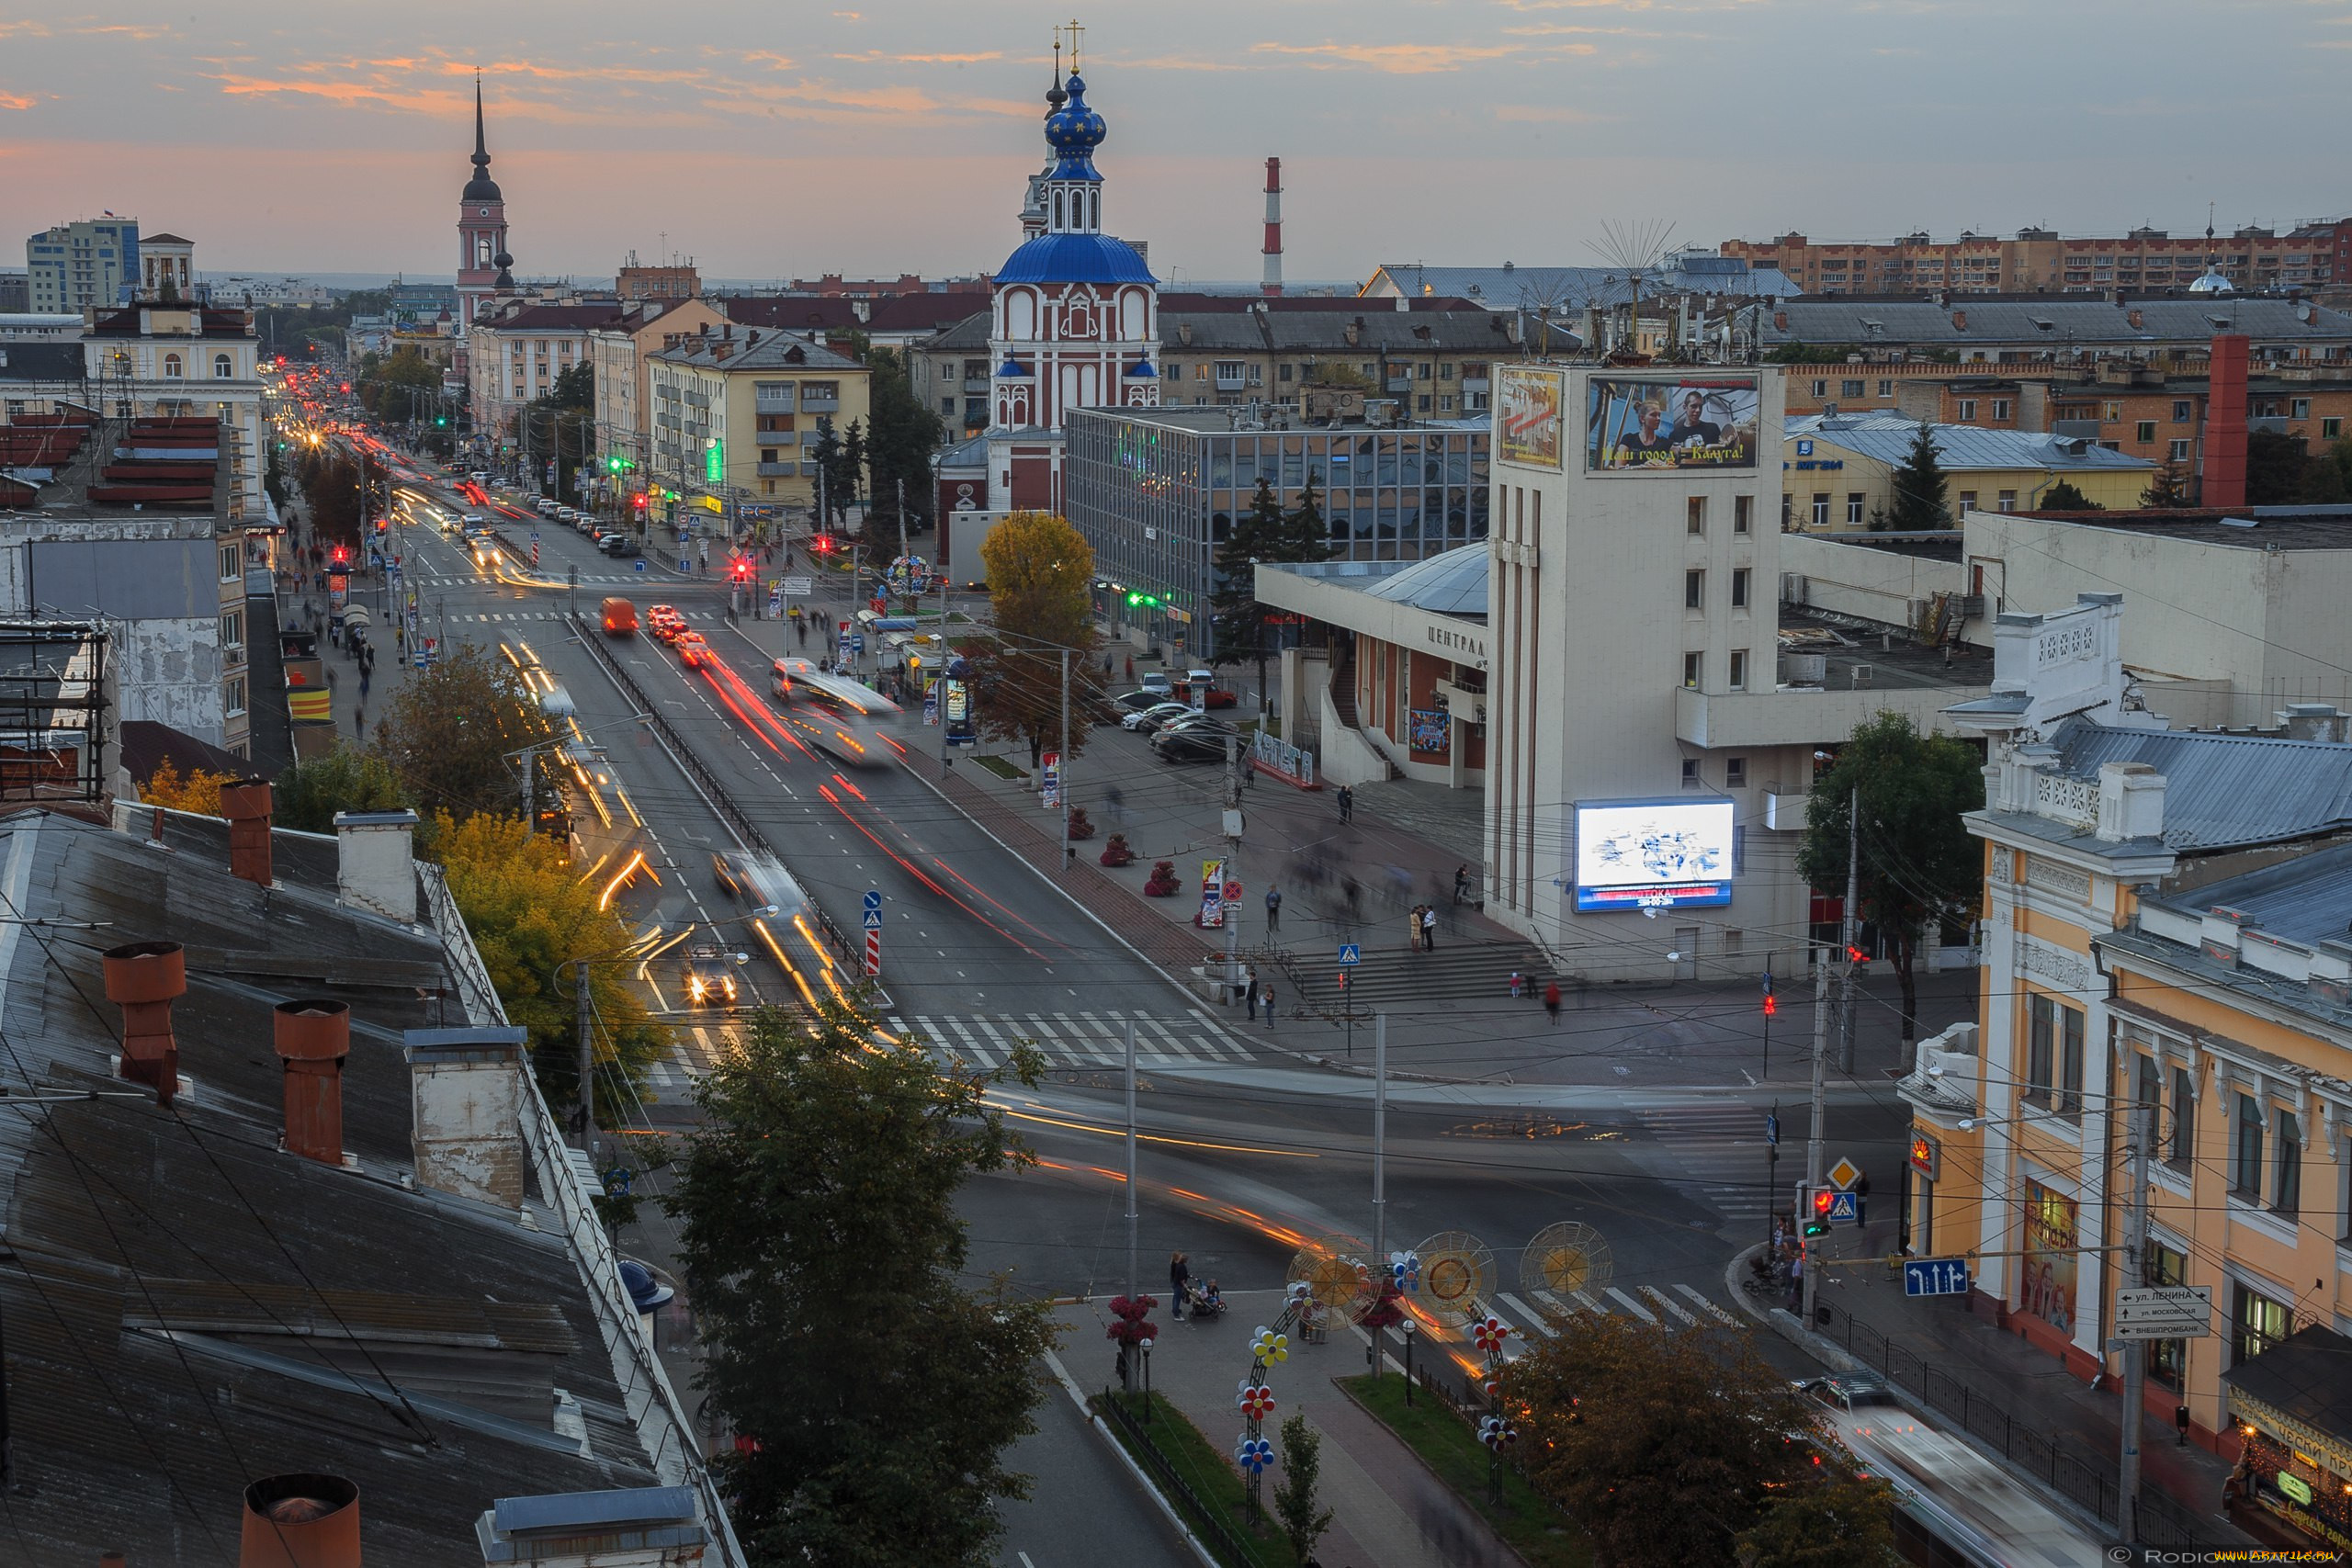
{"x": 771, "y": 140}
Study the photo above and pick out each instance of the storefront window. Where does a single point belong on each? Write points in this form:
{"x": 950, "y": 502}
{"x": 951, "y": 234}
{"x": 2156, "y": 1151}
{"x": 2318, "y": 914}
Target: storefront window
{"x": 2047, "y": 1289}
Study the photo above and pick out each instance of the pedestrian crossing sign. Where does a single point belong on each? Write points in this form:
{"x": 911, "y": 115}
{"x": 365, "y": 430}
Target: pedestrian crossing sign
{"x": 1351, "y": 953}
{"x": 874, "y": 919}
{"x": 1842, "y": 1208}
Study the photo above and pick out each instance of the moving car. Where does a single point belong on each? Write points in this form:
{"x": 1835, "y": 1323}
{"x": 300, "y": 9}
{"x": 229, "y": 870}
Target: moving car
{"x": 710, "y": 977}
{"x": 1152, "y": 718}
{"x": 693, "y": 651}
{"x": 617, "y": 545}
{"x": 853, "y": 723}
{"x": 620, "y": 617}
{"x": 664, "y": 622}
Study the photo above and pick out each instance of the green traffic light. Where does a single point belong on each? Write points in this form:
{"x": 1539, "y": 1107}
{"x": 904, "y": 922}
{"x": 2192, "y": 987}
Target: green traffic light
{"x": 1815, "y": 1227}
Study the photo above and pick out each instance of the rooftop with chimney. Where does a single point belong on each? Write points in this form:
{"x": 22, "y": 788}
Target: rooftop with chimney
{"x": 291, "y": 1216}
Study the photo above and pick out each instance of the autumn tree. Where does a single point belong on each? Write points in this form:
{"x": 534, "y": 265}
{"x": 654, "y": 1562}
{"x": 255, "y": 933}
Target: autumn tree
{"x": 308, "y": 795}
{"x": 1920, "y": 865}
{"x": 1666, "y": 1447}
{"x": 1298, "y": 1503}
{"x": 1041, "y": 579}
{"x": 1846, "y": 1521}
{"x": 452, "y": 732}
{"x": 198, "y": 793}
{"x": 818, "y": 1230}
{"x": 529, "y": 914}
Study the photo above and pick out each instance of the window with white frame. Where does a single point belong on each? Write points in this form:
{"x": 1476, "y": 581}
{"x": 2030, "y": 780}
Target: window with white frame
{"x": 2285, "y": 1161}
{"x": 2247, "y": 1131}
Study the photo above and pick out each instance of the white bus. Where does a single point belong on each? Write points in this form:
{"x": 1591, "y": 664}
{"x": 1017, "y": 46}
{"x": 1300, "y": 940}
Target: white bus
{"x": 849, "y": 722}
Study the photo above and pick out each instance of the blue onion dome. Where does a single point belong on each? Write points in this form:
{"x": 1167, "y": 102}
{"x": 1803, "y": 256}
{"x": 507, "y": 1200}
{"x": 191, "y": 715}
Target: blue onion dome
{"x": 1074, "y": 131}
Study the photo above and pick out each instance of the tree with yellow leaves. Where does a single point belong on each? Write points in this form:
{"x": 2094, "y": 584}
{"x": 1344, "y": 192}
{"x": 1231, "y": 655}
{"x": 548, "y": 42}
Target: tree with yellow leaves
{"x": 530, "y": 914}
{"x": 1041, "y": 581}
{"x": 199, "y": 792}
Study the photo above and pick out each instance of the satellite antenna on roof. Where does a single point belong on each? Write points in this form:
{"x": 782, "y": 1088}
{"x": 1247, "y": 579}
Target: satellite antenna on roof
{"x": 1633, "y": 249}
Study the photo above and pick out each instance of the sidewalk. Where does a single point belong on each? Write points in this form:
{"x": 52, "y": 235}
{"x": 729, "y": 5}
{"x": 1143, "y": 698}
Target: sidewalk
{"x": 1390, "y": 1511}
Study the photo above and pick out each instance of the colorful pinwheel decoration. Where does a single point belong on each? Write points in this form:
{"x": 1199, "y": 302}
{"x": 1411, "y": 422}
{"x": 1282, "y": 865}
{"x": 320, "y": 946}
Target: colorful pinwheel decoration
{"x": 1256, "y": 1401}
{"x": 1269, "y": 1346}
{"x": 1488, "y": 1335}
{"x": 1253, "y": 1454}
{"x": 1405, "y": 1269}
{"x": 1497, "y": 1433}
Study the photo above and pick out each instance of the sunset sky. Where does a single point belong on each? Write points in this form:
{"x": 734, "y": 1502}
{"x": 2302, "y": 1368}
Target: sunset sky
{"x": 771, "y": 141}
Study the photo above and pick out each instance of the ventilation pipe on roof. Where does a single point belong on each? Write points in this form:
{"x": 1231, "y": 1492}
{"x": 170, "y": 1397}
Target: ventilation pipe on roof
{"x": 143, "y": 980}
{"x": 247, "y": 805}
{"x": 312, "y": 1039}
{"x": 300, "y": 1521}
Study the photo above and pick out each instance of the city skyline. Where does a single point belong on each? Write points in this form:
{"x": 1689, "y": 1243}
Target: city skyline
{"x": 1508, "y": 130}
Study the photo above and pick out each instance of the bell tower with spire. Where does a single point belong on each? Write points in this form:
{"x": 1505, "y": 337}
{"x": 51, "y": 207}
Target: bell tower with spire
{"x": 483, "y": 262}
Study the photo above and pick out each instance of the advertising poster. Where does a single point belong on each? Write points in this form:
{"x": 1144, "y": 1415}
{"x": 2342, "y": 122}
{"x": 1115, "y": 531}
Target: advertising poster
{"x": 2046, "y": 1287}
{"x": 1528, "y": 426}
{"x": 1653, "y": 854}
{"x": 1427, "y": 727}
{"x": 1212, "y": 894}
{"x": 1049, "y": 792}
{"x": 1660, "y": 425}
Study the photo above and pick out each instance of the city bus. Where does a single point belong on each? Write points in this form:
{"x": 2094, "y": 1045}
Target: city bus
{"x": 849, "y": 722}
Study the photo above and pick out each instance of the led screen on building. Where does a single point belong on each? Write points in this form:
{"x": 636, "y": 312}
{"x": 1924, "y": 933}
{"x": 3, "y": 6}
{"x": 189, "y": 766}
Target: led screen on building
{"x": 1663, "y": 425}
{"x": 1654, "y": 855}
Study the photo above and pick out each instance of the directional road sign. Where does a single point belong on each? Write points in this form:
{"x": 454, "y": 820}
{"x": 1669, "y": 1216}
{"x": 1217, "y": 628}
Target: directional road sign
{"x": 1772, "y": 1129}
{"x": 1351, "y": 953}
{"x": 800, "y": 587}
{"x": 640, "y": 564}
{"x": 873, "y": 898}
{"x": 2165, "y": 1312}
{"x": 1844, "y": 1174}
{"x": 1841, "y": 1209}
{"x": 1935, "y": 1277}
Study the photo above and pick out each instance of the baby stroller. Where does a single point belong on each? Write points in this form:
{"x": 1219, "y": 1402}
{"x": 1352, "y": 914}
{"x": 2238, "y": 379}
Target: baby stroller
{"x": 1202, "y": 1302}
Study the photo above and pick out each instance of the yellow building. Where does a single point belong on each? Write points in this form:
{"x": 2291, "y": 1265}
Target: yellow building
{"x": 2165, "y": 928}
{"x": 1838, "y": 470}
{"x": 737, "y": 414}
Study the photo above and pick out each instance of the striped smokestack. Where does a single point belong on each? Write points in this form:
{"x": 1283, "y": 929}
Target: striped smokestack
{"x": 1273, "y": 250}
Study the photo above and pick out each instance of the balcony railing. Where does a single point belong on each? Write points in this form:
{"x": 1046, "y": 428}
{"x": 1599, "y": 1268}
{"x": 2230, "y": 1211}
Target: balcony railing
{"x": 976, "y": 383}
{"x": 1231, "y": 383}
{"x": 773, "y": 402}
{"x": 778, "y": 471}
{"x": 809, "y": 404}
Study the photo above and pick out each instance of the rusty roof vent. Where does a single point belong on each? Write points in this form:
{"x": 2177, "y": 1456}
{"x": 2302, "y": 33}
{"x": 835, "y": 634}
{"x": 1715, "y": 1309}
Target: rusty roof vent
{"x": 300, "y": 1521}
{"x": 143, "y": 980}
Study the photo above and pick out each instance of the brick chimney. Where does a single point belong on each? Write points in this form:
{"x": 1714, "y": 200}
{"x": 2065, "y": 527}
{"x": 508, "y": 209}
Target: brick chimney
{"x": 466, "y": 1090}
{"x": 247, "y": 805}
{"x": 2223, "y": 481}
{"x": 300, "y": 1521}
{"x": 313, "y": 1038}
{"x": 143, "y": 980}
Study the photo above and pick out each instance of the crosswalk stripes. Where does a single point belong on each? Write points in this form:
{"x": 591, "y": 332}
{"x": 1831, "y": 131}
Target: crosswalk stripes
{"x": 1652, "y": 1303}
{"x": 1636, "y": 1307}
{"x": 1717, "y": 1148}
{"x": 1670, "y": 1304}
{"x": 1066, "y": 1039}
{"x": 1528, "y": 1316}
{"x": 1693, "y": 1296}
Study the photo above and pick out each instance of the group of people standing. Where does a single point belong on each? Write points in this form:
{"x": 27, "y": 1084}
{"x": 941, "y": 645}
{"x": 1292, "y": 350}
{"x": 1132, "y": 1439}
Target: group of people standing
{"x": 1420, "y": 928}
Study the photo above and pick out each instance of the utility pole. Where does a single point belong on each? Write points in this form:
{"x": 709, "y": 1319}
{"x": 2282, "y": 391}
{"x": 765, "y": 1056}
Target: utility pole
{"x": 530, "y": 817}
{"x": 1232, "y": 859}
{"x": 587, "y": 1059}
{"x": 1850, "y": 929}
{"x": 2135, "y": 1361}
{"x": 1814, "y": 1141}
{"x": 902, "y": 514}
{"x": 1063, "y": 762}
{"x": 1131, "y": 1281}
{"x": 1379, "y": 1170}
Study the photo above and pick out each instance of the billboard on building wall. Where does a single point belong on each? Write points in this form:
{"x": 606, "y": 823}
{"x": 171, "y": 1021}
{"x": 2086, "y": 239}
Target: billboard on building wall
{"x": 1653, "y": 854}
{"x": 1528, "y": 426}
{"x": 1664, "y": 424}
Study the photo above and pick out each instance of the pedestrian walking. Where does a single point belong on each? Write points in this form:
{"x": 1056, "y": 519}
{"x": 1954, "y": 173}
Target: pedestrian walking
{"x": 1413, "y": 928}
{"x": 1250, "y": 995}
{"x": 1347, "y": 804}
{"x": 1353, "y": 891}
{"x": 1797, "y": 1280}
{"x": 359, "y": 722}
{"x": 1428, "y": 928}
{"x": 1461, "y": 884}
{"x": 363, "y": 682}
{"x": 1267, "y": 996}
{"x": 1179, "y": 1274}
{"x": 1273, "y": 910}
{"x": 1131, "y": 666}
{"x": 1552, "y": 1000}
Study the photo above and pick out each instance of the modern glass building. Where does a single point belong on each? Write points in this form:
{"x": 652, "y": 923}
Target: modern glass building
{"x": 1156, "y": 490}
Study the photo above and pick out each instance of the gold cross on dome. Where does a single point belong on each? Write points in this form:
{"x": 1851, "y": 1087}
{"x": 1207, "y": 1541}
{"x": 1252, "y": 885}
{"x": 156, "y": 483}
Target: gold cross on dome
{"x": 1073, "y": 29}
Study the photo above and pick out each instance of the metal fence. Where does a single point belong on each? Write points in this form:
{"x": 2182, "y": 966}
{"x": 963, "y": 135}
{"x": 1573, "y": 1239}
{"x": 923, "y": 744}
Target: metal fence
{"x": 1207, "y": 1520}
{"x": 2089, "y": 1483}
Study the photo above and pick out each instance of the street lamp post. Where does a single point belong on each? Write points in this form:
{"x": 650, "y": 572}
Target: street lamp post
{"x": 1405, "y": 1328}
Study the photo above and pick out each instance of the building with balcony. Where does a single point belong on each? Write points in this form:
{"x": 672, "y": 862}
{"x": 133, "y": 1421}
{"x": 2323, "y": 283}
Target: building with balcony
{"x": 737, "y": 414}
{"x": 515, "y": 352}
{"x": 2043, "y": 261}
{"x": 90, "y": 262}
{"x": 2163, "y": 961}
{"x": 1157, "y": 490}
{"x": 621, "y": 350}
{"x": 2026, "y": 331}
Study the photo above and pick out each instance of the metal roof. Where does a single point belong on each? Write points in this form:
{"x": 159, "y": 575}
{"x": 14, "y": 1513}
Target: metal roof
{"x": 2307, "y": 899}
{"x": 2225, "y": 790}
{"x": 1887, "y": 438}
{"x": 1581, "y": 287}
{"x": 1074, "y": 258}
{"x": 1453, "y": 583}
{"x": 2051, "y": 321}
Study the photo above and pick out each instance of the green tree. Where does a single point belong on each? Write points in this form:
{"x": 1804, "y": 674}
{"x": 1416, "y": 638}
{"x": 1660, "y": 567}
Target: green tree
{"x": 330, "y": 489}
{"x": 1842, "y": 1522}
{"x": 575, "y": 388}
{"x": 1920, "y": 864}
{"x": 308, "y": 795}
{"x": 2169, "y": 486}
{"x": 1041, "y": 577}
{"x": 452, "y": 729}
{"x": 1306, "y": 535}
{"x": 529, "y": 914}
{"x": 1664, "y": 1447}
{"x": 818, "y": 1235}
{"x": 560, "y": 424}
{"x": 2327, "y": 480}
{"x": 853, "y": 469}
{"x": 2064, "y": 497}
{"x": 2275, "y": 465}
{"x": 902, "y": 433}
{"x": 1920, "y": 487}
{"x": 1297, "y": 1506}
{"x": 386, "y": 387}
{"x": 1255, "y": 535}
{"x": 827, "y": 455}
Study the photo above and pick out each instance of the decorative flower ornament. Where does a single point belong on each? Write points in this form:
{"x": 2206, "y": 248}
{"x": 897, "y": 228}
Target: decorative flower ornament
{"x": 1496, "y": 1433}
{"x": 1270, "y": 1345}
{"x": 1488, "y": 1335}
{"x": 1253, "y": 1454}
{"x": 1404, "y": 1267}
{"x": 1256, "y": 1401}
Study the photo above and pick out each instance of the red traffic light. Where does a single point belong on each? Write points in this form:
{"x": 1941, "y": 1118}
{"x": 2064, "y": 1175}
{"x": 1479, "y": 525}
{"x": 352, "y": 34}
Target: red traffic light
{"x": 823, "y": 544}
{"x": 1771, "y": 1005}
{"x": 1822, "y": 1198}
{"x": 742, "y": 571}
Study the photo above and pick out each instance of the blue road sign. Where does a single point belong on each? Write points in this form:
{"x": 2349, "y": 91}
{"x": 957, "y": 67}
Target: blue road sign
{"x": 640, "y": 564}
{"x": 873, "y": 898}
{"x": 1935, "y": 1277}
{"x": 874, "y": 919}
{"x": 1772, "y": 1130}
{"x": 534, "y": 535}
{"x": 1841, "y": 1209}
{"x": 1351, "y": 953}
{"x": 857, "y": 642}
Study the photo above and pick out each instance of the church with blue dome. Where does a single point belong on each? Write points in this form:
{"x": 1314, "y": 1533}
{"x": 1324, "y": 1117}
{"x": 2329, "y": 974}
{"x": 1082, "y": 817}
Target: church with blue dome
{"x": 1074, "y": 311}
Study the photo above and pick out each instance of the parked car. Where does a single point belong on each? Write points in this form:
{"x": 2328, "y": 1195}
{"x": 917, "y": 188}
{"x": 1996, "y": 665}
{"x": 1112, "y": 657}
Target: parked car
{"x": 1159, "y": 686}
{"x": 1152, "y": 718}
{"x": 1138, "y": 701}
{"x": 1190, "y": 746}
{"x": 618, "y": 544}
{"x": 1212, "y": 694}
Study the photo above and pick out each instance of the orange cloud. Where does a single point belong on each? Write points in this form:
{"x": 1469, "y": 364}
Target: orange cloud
{"x": 1399, "y": 59}
{"x": 17, "y": 101}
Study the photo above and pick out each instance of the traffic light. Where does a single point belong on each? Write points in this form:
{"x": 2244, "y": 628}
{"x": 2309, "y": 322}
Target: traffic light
{"x": 440, "y": 419}
{"x": 612, "y": 464}
{"x": 742, "y": 569}
{"x": 1816, "y": 1222}
{"x": 1140, "y": 600}
{"x": 823, "y": 544}
{"x": 639, "y": 498}
{"x": 1771, "y": 1006}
